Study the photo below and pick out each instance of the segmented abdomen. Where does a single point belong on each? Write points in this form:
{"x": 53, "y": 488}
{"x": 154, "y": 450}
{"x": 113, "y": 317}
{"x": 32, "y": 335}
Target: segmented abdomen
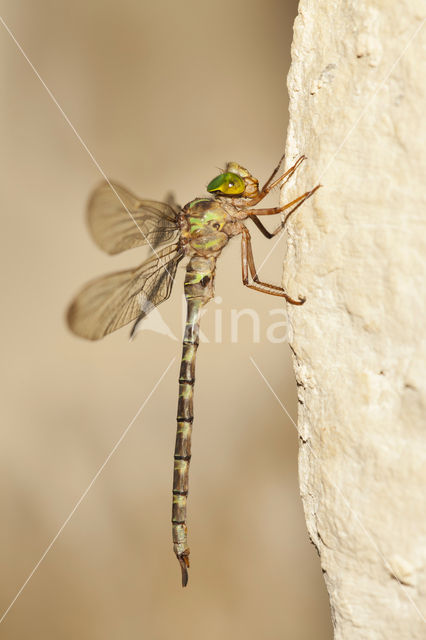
{"x": 198, "y": 291}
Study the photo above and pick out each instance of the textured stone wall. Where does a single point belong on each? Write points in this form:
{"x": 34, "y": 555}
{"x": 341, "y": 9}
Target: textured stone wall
{"x": 357, "y": 251}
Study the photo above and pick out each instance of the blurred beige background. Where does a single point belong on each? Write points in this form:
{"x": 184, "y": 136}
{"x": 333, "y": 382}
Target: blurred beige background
{"x": 163, "y": 94}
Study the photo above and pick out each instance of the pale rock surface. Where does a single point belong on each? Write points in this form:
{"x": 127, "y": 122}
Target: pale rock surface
{"x": 357, "y": 251}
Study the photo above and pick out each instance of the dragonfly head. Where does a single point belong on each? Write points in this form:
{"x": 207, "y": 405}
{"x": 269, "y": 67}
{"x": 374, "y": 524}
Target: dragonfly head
{"x": 230, "y": 184}
{"x": 235, "y": 181}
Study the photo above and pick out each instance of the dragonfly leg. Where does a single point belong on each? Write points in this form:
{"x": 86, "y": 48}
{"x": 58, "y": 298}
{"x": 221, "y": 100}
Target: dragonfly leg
{"x": 247, "y": 264}
{"x": 268, "y": 186}
{"x": 271, "y": 234}
{"x": 273, "y": 174}
{"x": 263, "y": 229}
{"x": 273, "y": 210}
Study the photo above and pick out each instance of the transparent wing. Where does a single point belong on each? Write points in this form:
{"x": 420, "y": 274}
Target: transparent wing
{"x": 114, "y": 230}
{"x": 110, "y": 302}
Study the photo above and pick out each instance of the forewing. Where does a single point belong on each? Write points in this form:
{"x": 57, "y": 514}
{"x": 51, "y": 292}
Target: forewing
{"x": 118, "y": 220}
{"x": 114, "y": 300}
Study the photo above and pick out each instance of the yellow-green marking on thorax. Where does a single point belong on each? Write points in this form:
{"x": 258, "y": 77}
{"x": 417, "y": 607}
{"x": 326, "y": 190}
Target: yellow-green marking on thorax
{"x": 210, "y": 218}
{"x": 206, "y": 219}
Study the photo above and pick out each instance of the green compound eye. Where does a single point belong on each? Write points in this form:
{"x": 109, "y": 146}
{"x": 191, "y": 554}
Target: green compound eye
{"x": 228, "y": 183}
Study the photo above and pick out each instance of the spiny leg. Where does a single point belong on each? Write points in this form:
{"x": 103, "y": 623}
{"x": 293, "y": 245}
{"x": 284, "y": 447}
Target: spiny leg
{"x": 273, "y": 174}
{"x": 267, "y": 187}
{"x": 287, "y": 175}
{"x": 247, "y": 264}
{"x": 273, "y": 210}
{"x": 271, "y": 234}
{"x": 262, "y": 228}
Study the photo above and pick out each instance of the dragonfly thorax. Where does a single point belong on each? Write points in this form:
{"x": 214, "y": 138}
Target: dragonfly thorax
{"x": 203, "y": 226}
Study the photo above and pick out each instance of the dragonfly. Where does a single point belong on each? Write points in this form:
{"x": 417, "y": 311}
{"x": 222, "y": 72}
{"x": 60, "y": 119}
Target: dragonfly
{"x": 199, "y": 231}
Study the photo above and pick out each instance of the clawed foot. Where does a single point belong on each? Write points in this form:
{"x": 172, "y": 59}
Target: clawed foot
{"x": 298, "y": 302}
